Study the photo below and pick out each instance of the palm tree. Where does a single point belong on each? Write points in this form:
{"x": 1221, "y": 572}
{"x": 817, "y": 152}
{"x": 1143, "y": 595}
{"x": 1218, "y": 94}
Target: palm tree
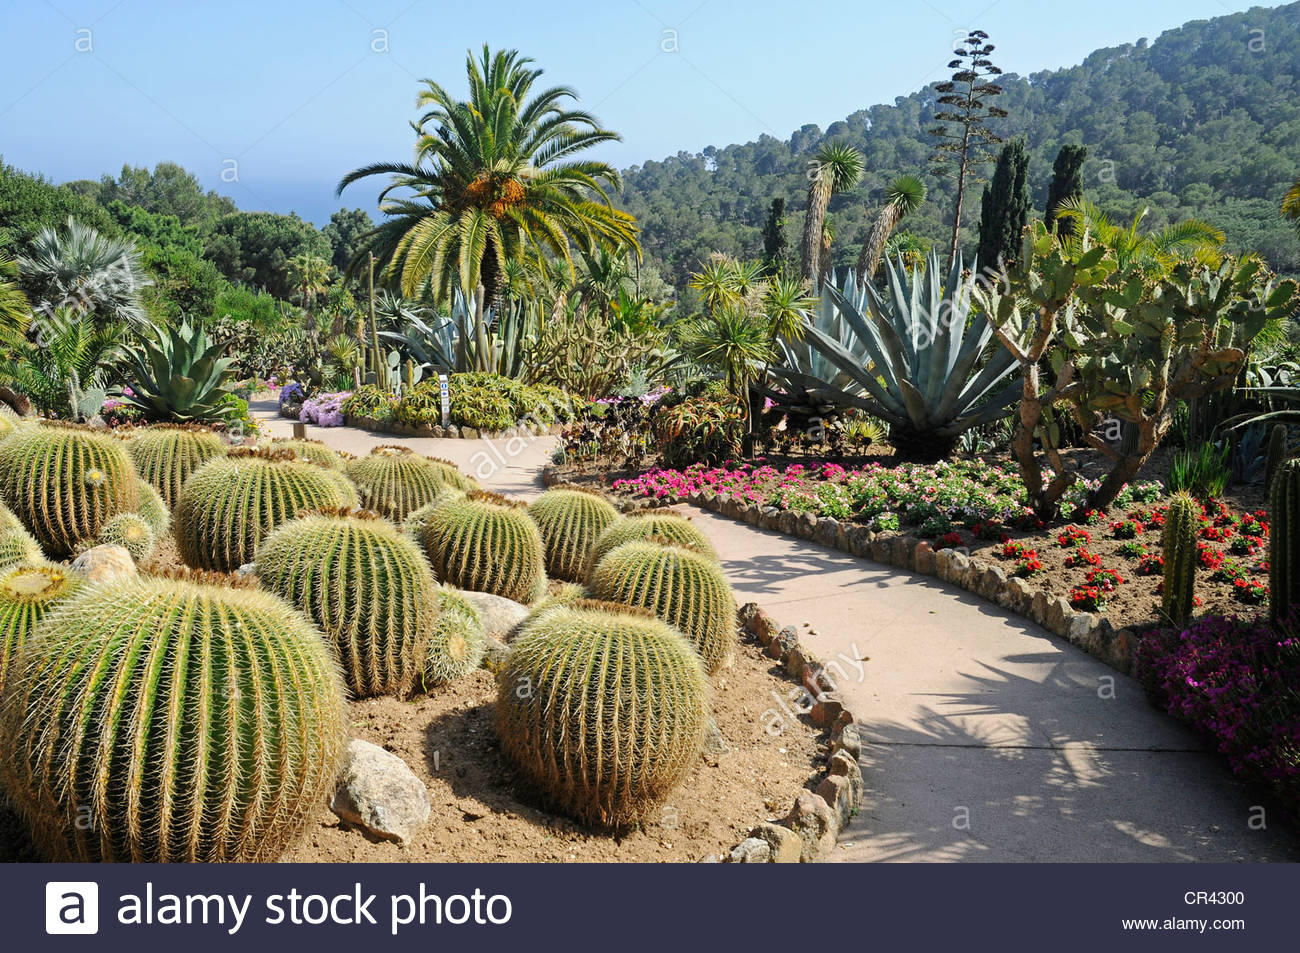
{"x": 903, "y": 196}
{"x": 604, "y": 274}
{"x": 836, "y": 167}
{"x": 81, "y": 270}
{"x": 494, "y": 177}
{"x": 733, "y": 342}
{"x": 1154, "y": 253}
{"x": 64, "y": 370}
{"x": 786, "y": 304}
{"x": 309, "y": 275}
{"x": 15, "y": 312}
{"x": 1291, "y": 204}
{"x": 716, "y": 284}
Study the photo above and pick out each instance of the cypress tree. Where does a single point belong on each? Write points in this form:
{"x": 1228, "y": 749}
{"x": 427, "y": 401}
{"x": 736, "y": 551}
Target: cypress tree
{"x": 1067, "y": 183}
{"x": 775, "y": 244}
{"x": 1004, "y": 207}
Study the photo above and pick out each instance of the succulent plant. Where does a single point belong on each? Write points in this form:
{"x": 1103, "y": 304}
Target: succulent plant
{"x": 1284, "y": 528}
{"x": 366, "y": 586}
{"x": 1178, "y": 547}
{"x": 1276, "y": 454}
{"x": 457, "y": 646}
{"x": 231, "y": 503}
{"x": 27, "y": 592}
{"x": 65, "y": 482}
{"x": 155, "y": 512}
{"x": 163, "y": 720}
{"x": 415, "y": 522}
{"x": 16, "y": 544}
{"x": 487, "y": 543}
{"x": 603, "y": 708}
{"x": 570, "y": 521}
{"x": 180, "y": 375}
{"x": 166, "y": 455}
{"x": 132, "y": 532}
{"x": 663, "y": 524}
{"x": 396, "y": 481}
{"x": 313, "y": 450}
{"x": 681, "y": 587}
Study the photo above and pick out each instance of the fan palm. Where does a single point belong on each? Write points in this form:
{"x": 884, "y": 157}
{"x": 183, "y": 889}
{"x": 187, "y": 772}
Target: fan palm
{"x": 604, "y": 274}
{"x": 80, "y": 269}
{"x": 836, "y": 167}
{"x": 1153, "y": 253}
{"x": 494, "y": 177}
{"x": 903, "y": 196}
{"x": 15, "y": 312}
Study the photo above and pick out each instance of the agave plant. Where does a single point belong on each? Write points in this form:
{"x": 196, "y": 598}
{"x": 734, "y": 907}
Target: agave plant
{"x": 464, "y": 342}
{"x": 180, "y": 375}
{"x": 913, "y": 356}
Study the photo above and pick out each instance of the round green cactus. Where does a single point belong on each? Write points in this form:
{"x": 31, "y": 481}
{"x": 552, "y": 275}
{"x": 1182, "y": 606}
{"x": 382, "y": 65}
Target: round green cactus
{"x": 161, "y": 720}
{"x": 155, "y": 512}
{"x": 664, "y": 524}
{"x": 132, "y": 532}
{"x": 681, "y": 587}
{"x": 396, "y": 481}
{"x": 487, "y": 543}
{"x": 231, "y": 503}
{"x": 26, "y": 593}
{"x": 313, "y": 450}
{"x": 366, "y": 585}
{"x": 16, "y": 544}
{"x": 570, "y": 521}
{"x": 415, "y": 522}
{"x": 457, "y": 646}
{"x": 65, "y": 482}
{"x": 603, "y": 708}
{"x": 166, "y": 454}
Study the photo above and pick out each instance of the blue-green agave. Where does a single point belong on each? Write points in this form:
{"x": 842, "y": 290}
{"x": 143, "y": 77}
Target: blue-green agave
{"x": 181, "y": 375}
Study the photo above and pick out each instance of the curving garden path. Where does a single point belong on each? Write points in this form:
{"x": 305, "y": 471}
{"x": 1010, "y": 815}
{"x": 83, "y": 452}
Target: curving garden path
{"x": 984, "y": 737}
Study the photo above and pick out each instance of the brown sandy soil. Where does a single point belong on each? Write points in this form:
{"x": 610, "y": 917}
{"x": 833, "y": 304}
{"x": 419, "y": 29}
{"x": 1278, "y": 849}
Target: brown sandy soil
{"x": 482, "y": 811}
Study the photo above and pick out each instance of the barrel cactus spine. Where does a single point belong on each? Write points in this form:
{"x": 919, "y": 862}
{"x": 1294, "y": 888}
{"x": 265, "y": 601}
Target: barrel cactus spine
{"x": 603, "y": 708}
{"x": 27, "y": 592}
{"x": 570, "y": 521}
{"x": 217, "y": 737}
{"x": 458, "y": 643}
{"x": 396, "y": 481}
{"x": 366, "y": 586}
{"x": 1284, "y": 530}
{"x": 642, "y": 526}
{"x": 65, "y": 482}
{"x": 16, "y": 544}
{"x": 312, "y": 450}
{"x": 166, "y": 454}
{"x": 1178, "y": 548}
{"x": 132, "y": 532}
{"x": 416, "y": 521}
{"x": 487, "y": 543}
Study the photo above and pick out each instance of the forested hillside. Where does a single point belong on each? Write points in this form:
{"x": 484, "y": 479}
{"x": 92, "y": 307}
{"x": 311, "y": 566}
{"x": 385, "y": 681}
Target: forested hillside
{"x": 1204, "y": 121}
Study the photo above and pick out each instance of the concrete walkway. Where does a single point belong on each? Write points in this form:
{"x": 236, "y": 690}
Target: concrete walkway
{"x": 985, "y": 738}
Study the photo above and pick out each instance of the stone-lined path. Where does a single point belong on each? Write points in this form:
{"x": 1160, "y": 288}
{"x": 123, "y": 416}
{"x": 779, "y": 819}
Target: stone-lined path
{"x": 985, "y": 738}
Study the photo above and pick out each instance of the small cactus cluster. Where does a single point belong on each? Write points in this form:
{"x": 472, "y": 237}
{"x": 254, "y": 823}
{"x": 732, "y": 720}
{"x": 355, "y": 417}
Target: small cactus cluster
{"x": 603, "y": 708}
{"x": 680, "y": 586}
{"x": 314, "y": 451}
{"x": 160, "y": 720}
{"x": 457, "y": 646}
{"x": 486, "y": 543}
{"x": 665, "y": 525}
{"x": 26, "y": 593}
{"x": 165, "y": 455}
{"x": 130, "y": 531}
{"x": 1284, "y": 531}
{"x": 570, "y": 522}
{"x": 1178, "y": 547}
{"x": 365, "y": 585}
{"x": 396, "y": 481}
{"x": 16, "y": 544}
{"x": 154, "y": 510}
{"x": 231, "y": 503}
{"x": 65, "y": 482}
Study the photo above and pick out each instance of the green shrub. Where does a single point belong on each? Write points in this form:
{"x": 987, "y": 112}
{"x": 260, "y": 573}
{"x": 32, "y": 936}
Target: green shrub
{"x": 603, "y": 708}
{"x": 217, "y": 737}
{"x": 371, "y": 401}
{"x": 699, "y": 430}
{"x": 1203, "y": 471}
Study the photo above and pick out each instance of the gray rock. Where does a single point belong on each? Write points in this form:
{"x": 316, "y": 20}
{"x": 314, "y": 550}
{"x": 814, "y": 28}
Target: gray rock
{"x": 784, "y": 845}
{"x": 248, "y": 569}
{"x": 451, "y": 430}
{"x": 498, "y": 614}
{"x": 715, "y": 746}
{"x": 812, "y": 819}
{"x": 850, "y": 742}
{"x": 750, "y": 851}
{"x": 105, "y": 563}
{"x": 837, "y": 792}
{"x": 377, "y": 792}
{"x": 843, "y": 766}
{"x": 469, "y": 433}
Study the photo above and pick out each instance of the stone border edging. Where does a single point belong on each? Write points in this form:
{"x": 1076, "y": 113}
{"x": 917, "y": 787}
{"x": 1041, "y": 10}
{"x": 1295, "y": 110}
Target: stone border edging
{"x": 451, "y": 431}
{"x": 814, "y": 822}
{"x": 1094, "y": 634}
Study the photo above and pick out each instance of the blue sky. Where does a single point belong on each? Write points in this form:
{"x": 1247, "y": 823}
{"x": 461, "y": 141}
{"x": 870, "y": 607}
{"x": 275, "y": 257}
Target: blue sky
{"x": 297, "y": 93}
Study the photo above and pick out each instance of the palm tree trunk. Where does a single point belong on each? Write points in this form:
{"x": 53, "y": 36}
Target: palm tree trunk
{"x": 873, "y": 249}
{"x": 819, "y": 197}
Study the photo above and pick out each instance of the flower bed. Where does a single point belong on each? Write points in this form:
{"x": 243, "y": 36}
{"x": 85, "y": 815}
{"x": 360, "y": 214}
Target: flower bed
{"x": 1100, "y": 562}
{"x": 324, "y": 410}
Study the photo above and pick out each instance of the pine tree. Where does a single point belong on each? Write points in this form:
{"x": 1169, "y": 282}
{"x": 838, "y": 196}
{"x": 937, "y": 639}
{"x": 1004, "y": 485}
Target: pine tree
{"x": 775, "y": 244}
{"x": 1004, "y": 208}
{"x": 964, "y": 102}
{"x": 1067, "y": 183}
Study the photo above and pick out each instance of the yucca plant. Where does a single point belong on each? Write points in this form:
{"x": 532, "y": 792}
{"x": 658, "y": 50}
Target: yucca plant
{"x": 180, "y": 375}
{"x": 65, "y": 482}
{"x": 366, "y": 586}
{"x": 163, "y": 720}
{"x": 570, "y": 522}
{"x": 27, "y": 592}
{"x": 915, "y": 357}
{"x": 663, "y": 525}
{"x": 486, "y": 543}
{"x": 166, "y": 455}
{"x": 602, "y": 707}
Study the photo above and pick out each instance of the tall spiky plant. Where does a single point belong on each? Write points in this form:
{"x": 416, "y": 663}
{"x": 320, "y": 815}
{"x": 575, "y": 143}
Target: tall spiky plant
{"x": 1178, "y": 548}
{"x": 903, "y": 196}
{"x": 836, "y": 167}
{"x": 1284, "y": 532}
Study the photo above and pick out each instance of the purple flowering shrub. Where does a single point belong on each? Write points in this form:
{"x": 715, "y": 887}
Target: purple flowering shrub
{"x": 324, "y": 410}
{"x": 1236, "y": 679}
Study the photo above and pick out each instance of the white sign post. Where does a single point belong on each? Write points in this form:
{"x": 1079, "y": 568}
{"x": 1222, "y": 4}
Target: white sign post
{"x": 446, "y": 399}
